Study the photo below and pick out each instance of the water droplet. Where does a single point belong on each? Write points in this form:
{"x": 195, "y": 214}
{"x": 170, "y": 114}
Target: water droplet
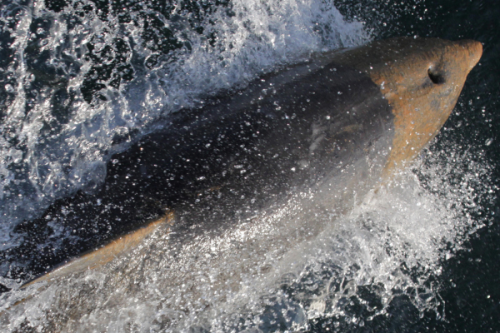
{"x": 9, "y": 88}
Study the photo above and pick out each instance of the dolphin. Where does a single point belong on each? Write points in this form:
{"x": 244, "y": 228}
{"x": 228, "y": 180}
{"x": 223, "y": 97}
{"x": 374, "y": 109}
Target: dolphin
{"x": 313, "y": 138}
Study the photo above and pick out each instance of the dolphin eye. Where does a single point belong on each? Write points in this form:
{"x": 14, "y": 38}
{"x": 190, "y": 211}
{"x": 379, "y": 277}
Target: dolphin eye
{"x": 436, "y": 76}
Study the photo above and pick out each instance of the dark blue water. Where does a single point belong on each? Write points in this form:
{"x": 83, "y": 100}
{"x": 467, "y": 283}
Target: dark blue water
{"x": 83, "y": 80}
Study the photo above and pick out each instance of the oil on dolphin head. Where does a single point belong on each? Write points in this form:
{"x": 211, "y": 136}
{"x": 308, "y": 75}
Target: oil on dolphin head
{"x": 421, "y": 79}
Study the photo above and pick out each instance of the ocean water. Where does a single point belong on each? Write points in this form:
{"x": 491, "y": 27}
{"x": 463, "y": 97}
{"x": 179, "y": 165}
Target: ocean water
{"x": 83, "y": 80}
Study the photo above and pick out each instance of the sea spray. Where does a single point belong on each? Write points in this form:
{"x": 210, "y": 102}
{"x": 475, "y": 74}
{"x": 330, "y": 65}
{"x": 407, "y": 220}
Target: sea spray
{"x": 83, "y": 80}
{"x": 391, "y": 246}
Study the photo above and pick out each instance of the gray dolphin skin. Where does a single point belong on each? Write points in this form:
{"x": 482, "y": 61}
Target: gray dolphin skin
{"x": 319, "y": 135}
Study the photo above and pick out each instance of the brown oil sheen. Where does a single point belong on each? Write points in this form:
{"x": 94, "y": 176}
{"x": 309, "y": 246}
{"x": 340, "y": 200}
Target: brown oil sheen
{"x": 109, "y": 252}
{"x": 421, "y": 79}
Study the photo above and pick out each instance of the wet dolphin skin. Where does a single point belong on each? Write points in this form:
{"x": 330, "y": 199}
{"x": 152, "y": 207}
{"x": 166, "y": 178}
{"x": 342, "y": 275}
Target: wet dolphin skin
{"x": 334, "y": 127}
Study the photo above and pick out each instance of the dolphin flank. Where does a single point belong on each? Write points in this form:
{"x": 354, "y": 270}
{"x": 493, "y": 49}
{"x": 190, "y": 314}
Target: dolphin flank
{"x": 320, "y": 134}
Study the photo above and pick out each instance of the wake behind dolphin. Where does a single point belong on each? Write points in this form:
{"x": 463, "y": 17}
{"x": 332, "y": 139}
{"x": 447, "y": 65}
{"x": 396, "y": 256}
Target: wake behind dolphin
{"x": 256, "y": 172}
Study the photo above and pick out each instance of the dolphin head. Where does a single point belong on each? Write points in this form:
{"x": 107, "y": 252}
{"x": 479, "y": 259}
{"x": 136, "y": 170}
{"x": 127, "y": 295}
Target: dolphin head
{"x": 421, "y": 78}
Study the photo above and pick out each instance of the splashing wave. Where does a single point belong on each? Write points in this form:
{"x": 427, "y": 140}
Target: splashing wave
{"x": 80, "y": 80}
